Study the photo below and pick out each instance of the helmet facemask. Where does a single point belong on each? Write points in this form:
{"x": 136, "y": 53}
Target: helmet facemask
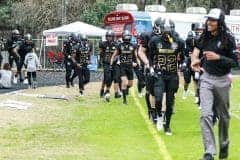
{"x": 110, "y": 36}
{"x": 157, "y": 29}
{"x": 28, "y": 38}
{"x": 166, "y": 28}
{"x": 126, "y": 36}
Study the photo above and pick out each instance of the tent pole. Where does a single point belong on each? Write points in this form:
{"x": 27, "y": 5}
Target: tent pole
{"x": 40, "y": 52}
{"x": 94, "y": 47}
{"x": 44, "y": 53}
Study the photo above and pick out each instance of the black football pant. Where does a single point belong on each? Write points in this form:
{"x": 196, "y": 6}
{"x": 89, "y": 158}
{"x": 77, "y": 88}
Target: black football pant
{"x": 169, "y": 84}
{"x": 69, "y": 68}
{"x": 83, "y": 76}
{"x": 107, "y": 75}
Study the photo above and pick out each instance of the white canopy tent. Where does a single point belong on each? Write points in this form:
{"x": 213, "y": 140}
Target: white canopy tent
{"x": 75, "y": 27}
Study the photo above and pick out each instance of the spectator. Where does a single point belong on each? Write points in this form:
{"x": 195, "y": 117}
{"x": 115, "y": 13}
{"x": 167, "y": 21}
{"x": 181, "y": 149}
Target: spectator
{"x": 32, "y": 62}
{"x": 5, "y": 76}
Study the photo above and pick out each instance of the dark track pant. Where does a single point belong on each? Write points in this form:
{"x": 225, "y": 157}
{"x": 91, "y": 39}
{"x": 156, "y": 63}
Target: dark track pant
{"x": 31, "y": 76}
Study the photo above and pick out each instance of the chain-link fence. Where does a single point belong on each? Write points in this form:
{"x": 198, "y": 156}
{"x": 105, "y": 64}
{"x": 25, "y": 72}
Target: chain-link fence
{"x": 51, "y": 57}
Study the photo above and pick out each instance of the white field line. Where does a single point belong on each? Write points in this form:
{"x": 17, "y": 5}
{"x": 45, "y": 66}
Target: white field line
{"x": 162, "y": 147}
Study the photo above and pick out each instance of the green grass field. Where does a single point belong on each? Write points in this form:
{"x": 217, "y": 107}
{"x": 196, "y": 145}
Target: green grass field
{"x": 88, "y": 128}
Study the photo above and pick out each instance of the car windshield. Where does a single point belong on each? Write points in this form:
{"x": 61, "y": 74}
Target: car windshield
{"x": 143, "y": 26}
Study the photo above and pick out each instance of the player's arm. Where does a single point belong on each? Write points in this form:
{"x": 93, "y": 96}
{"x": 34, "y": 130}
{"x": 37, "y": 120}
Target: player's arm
{"x": 142, "y": 55}
{"x": 195, "y": 61}
{"x": 115, "y": 53}
{"x": 74, "y": 55}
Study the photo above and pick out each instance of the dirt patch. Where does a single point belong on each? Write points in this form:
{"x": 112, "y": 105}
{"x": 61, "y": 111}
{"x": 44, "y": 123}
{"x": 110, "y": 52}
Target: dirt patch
{"x": 43, "y": 110}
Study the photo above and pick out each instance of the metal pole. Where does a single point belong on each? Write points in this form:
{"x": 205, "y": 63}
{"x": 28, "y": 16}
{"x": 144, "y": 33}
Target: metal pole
{"x": 63, "y": 11}
{"x": 40, "y": 52}
{"x": 44, "y": 53}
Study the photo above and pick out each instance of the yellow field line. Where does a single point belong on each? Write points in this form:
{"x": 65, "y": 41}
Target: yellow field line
{"x": 162, "y": 147}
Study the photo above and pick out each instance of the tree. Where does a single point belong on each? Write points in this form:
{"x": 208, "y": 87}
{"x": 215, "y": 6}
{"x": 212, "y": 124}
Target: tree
{"x": 35, "y": 16}
{"x": 95, "y": 14}
{"x": 5, "y": 14}
{"x": 225, "y": 5}
{"x": 39, "y": 15}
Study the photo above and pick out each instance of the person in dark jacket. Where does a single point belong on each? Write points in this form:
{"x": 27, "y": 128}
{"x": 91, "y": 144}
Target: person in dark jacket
{"x": 217, "y": 50}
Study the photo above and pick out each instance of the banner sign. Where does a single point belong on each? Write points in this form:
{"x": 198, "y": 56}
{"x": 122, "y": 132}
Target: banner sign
{"x": 52, "y": 40}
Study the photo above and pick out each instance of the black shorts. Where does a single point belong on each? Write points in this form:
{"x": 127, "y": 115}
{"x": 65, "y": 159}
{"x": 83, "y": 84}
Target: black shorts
{"x": 110, "y": 75}
{"x": 126, "y": 70}
{"x": 116, "y": 73}
{"x": 20, "y": 64}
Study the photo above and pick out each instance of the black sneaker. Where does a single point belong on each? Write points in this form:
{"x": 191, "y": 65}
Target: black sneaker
{"x": 117, "y": 95}
{"x": 167, "y": 130}
{"x": 207, "y": 156}
{"x": 81, "y": 94}
{"x": 223, "y": 154}
{"x": 125, "y": 102}
{"x": 67, "y": 86}
{"x": 152, "y": 116}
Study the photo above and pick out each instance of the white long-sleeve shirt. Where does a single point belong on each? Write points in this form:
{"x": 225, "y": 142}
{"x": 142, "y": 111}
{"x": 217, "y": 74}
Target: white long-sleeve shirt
{"x": 6, "y": 77}
{"x": 32, "y": 62}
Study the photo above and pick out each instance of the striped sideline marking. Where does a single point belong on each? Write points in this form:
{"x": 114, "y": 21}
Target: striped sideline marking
{"x": 162, "y": 147}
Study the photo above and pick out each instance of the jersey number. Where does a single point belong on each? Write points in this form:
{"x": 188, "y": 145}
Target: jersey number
{"x": 167, "y": 63}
